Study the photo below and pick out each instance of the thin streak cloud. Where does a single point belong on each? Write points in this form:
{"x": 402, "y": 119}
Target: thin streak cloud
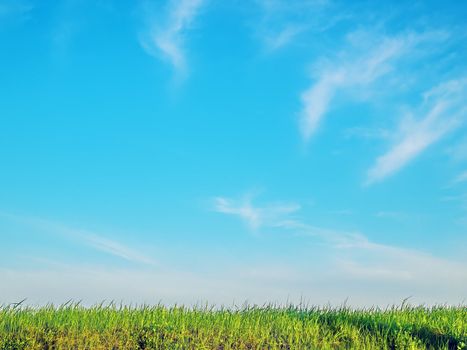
{"x": 91, "y": 239}
{"x": 357, "y": 258}
{"x": 443, "y": 110}
{"x": 255, "y": 217}
{"x": 281, "y": 22}
{"x": 356, "y": 67}
{"x": 167, "y": 42}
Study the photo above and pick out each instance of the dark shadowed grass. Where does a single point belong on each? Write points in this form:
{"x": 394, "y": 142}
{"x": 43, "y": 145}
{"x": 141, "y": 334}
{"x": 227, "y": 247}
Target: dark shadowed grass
{"x": 72, "y": 326}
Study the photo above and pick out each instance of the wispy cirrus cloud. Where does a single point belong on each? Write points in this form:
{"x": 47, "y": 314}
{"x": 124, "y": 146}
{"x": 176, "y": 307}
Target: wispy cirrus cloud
{"x": 281, "y": 22}
{"x": 354, "y": 263}
{"x": 167, "y": 41}
{"x": 117, "y": 249}
{"x": 356, "y": 67}
{"x": 102, "y": 244}
{"x": 283, "y": 37}
{"x": 254, "y": 216}
{"x": 84, "y": 237}
{"x": 442, "y": 110}
{"x": 356, "y": 259}
{"x": 374, "y": 261}
{"x": 285, "y": 216}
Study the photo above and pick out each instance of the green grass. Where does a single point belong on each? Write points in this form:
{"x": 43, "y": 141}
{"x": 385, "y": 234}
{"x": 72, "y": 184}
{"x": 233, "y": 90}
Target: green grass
{"x": 159, "y": 327}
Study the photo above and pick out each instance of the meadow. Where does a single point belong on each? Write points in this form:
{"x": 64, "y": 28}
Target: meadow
{"x": 72, "y": 326}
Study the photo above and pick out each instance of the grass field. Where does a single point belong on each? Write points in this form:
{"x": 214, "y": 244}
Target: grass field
{"x": 159, "y": 327}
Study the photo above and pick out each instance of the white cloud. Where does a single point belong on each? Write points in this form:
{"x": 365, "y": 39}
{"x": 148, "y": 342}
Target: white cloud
{"x": 345, "y": 265}
{"x": 255, "y": 216}
{"x": 377, "y": 267}
{"x": 168, "y": 41}
{"x": 285, "y": 216}
{"x": 101, "y": 243}
{"x": 361, "y": 264}
{"x": 283, "y": 37}
{"x": 117, "y": 249}
{"x": 355, "y": 71}
{"x": 281, "y": 22}
{"x": 386, "y": 262}
{"x": 365, "y": 60}
{"x": 316, "y": 100}
{"x": 442, "y": 110}
{"x": 84, "y": 237}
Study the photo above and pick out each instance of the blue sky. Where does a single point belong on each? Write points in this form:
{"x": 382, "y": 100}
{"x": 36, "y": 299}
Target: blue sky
{"x": 228, "y": 151}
